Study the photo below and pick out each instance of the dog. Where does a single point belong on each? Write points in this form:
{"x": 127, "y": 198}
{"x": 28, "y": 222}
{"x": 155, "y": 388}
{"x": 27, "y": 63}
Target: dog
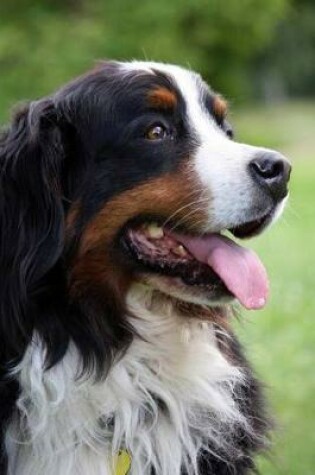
{"x": 118, "y": 279}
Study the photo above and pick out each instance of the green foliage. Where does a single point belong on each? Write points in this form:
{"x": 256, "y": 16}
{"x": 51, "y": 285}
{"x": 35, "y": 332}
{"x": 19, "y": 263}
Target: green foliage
{"x": 290, "y": 57}
{"x": 42, "y": 44}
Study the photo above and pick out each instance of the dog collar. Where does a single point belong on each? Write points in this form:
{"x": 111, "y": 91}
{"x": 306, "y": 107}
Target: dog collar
{"x": 123, "y": 463}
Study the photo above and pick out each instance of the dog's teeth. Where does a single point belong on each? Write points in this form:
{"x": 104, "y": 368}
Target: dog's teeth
{"x": 154, "y": 231}
{"x": 179, "y": 251}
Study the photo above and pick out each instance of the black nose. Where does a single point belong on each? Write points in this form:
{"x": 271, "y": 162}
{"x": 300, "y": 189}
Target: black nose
{"x": 271, "y": 171}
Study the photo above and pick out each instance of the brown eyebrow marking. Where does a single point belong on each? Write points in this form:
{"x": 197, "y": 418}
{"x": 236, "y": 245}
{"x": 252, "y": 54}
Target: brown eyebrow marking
{"x": 162, "y": 98}
{"x": 220, "y": 107}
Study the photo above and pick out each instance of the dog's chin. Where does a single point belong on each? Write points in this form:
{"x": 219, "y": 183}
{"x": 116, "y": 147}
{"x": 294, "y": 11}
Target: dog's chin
{"x": 211, "y": 296}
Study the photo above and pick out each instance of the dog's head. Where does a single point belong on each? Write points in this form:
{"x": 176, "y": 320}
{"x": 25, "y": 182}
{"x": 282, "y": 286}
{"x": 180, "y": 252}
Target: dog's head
{"x": 129, "y": 173}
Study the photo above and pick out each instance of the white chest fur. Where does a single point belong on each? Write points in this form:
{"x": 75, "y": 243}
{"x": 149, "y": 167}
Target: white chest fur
{"x": 169, "y": 395}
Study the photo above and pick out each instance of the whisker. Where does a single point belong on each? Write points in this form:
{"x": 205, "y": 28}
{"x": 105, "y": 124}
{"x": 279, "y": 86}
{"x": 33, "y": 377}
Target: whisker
{"x": 184, "y": 218}
{"x": 196, "y": 222}
{"x": 191, "y": 203}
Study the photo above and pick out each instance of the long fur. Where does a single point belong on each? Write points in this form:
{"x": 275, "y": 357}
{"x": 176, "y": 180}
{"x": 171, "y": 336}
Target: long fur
{"x": 167, "y": 402}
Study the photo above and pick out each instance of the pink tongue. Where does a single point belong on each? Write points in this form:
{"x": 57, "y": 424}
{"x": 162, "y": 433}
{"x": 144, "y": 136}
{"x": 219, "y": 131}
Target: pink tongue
{"x": 240, "y": 269}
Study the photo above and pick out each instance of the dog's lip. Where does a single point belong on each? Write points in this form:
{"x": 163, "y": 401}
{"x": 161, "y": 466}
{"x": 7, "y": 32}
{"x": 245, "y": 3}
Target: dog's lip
{"x": 251, "y": 228}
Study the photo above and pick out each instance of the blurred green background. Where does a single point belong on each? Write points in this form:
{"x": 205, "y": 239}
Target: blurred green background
{"x": 261, "y": 55}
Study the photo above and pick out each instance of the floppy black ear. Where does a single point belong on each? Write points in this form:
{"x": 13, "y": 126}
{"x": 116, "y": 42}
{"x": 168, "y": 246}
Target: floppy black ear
{"x": 31, "y": 219}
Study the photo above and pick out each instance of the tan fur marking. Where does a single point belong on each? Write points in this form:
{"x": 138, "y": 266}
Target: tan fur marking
{"x": 161, "y": 196}
{"x": 72, "y": 217}
{"x": 96, "y": 264}
{"x": 220, "y": 107}
{"x": 162, "y": 98}
{"x": 97, "y": 272}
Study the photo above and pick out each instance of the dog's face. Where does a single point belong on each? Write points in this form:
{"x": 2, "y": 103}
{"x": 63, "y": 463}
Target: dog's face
{"x": 128, "y": 174}
{"x": 164, "y": 166}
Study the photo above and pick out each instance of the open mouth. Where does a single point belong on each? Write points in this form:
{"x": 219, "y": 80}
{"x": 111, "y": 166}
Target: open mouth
{"x": 210, "y": 262}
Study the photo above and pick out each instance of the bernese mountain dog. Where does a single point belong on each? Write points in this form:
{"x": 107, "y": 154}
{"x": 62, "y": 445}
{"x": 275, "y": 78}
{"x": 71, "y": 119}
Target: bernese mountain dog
{"x": 117, "y": 278}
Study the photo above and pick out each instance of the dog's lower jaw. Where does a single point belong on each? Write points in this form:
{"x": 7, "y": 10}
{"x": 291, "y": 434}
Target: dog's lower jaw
{"x": 174, "y": 401}
{"x": 173, "y": 290}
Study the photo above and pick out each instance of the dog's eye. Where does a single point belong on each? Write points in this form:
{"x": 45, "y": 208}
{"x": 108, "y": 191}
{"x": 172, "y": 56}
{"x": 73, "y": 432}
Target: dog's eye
{"x": 156, "y": 132}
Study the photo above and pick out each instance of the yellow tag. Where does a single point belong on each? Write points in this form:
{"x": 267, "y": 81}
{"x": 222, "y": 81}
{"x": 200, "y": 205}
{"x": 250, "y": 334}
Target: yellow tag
{"x": 123, "y": 463}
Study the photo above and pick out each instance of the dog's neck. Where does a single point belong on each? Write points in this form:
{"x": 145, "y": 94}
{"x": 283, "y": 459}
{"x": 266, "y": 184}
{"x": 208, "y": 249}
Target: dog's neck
{"x": 163, "y": 401}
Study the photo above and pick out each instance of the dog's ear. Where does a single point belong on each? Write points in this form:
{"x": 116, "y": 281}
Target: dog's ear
{"x": 42, "y": 169}
{"x": 31, "y": 217}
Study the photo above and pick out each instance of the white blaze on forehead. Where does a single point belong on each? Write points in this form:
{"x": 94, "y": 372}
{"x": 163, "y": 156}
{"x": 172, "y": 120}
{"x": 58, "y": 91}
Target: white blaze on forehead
{"x": 220, "y": 163}
{"x": 188, "y": 82}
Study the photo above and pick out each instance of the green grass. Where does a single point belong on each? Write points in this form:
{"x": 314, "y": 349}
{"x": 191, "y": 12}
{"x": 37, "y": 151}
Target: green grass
{"x": 280, "y": 340}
